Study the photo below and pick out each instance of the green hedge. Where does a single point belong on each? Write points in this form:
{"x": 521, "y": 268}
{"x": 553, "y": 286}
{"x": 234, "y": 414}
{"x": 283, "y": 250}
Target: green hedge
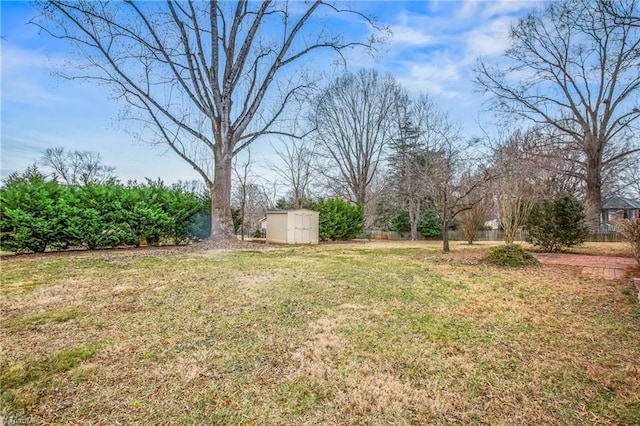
{"x": 339, "y": 219}
{"x": 37, "y": 214}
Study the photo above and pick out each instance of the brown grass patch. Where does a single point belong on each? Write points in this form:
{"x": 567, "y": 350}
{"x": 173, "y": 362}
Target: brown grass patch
{"x": 380, "y": 333}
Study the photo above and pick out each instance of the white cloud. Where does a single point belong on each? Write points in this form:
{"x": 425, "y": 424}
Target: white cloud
{"x": 490, "y": 39}
{"x": 17, "y": 59}
{"x": 24, "y": 73}
{"x": 469, "y": 9}
{"x": 405, "y": 35}
{"x": 508, "y": 7}
{"x": 437, "y": 78}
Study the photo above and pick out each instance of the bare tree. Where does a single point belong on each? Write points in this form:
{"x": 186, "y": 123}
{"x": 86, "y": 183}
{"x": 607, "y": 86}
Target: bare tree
{"x": 537, "y": 153}
{"x": 629, "y": 182}
{"x": 294, "y": 167}
{"x": 270, "y": 193}
{"x": 254, "y": 207}
{"x": 515, "y": 201}
{"x": 195, "y": 187}
{"x": 471, "y": 220}
{"x": 206, "y": 78}
{"x": 77, "y": 167}
{"x": 621, "y": 12}
{"x": 516, "y": 182}
{"x": 353, "y": 122}
{"x": 574, "y": 66}
{"x": 454, "y": 180}
{"x": 243, "y": 177}
{"x": 432, "y": 166}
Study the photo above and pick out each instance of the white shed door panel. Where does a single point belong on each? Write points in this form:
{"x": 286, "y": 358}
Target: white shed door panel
{"x": 302, "y": 228}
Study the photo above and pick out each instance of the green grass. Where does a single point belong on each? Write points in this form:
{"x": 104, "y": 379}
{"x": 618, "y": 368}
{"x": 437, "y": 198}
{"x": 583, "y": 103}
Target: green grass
{"x": 49, "y": 317}
{"x": 43, "y": 372}
{"x": 335, "y": 334}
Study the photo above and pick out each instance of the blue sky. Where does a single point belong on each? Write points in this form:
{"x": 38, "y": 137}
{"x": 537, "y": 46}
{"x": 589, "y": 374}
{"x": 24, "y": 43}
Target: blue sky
{"x": 433, "y": 47}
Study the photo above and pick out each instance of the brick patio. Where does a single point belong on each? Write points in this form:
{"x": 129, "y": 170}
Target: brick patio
{"x": 607, "y": 267}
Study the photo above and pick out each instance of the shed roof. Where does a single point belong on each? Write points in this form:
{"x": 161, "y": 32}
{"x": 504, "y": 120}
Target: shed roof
{"x": 290, "y": 210}
{"x": 617, "y": 202}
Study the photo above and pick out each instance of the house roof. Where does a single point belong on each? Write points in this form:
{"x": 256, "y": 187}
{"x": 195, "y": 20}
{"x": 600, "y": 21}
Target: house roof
{"x": 617, "y": 202}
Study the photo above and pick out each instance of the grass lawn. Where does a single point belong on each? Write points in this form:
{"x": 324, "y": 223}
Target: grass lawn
{"x": 366, "y": 333}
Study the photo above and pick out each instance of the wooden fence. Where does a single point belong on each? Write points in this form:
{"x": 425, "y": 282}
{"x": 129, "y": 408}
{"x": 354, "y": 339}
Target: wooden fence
{"x": 486, "y": 235}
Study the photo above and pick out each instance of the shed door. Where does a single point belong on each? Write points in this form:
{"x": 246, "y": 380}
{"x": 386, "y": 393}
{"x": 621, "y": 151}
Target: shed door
{"x": 302, "y": 228}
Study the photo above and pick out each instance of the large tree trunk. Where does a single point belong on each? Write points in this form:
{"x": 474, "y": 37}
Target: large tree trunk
{"x": 414, "y": 218}
{"x": 593, "y": 195}
{"x": 445, "y": 235}
{"x": 221, "y": 222}
{"x": 445, "y": 229}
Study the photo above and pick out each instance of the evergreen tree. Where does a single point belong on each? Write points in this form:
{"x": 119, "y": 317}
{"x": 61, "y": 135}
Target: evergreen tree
{"x": 556, "y": 224}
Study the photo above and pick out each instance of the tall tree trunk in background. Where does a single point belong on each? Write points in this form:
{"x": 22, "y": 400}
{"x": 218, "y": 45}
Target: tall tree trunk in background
{"x": 221, "y": 221}
{"x": 445, "y": 230}
{"x": 593, "y": 193}
{"x": 414, "y": 218}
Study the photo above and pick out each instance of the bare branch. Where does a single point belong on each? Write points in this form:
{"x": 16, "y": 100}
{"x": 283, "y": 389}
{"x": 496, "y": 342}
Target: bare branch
{"x": 574, "y": 67}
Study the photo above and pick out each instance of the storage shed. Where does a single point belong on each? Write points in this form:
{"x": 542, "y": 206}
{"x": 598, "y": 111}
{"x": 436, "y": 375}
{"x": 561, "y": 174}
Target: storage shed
{"x": 292, "y": 226}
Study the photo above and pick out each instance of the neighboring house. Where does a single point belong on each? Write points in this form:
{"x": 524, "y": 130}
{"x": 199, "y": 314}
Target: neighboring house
{"x": 492, "y": 224}
{"x": 617, "y": 207}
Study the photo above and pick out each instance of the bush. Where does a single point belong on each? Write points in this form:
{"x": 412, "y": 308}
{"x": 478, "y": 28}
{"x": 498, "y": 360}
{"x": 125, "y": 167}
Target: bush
{"x": 557, "y": 224}
{"x": 511, "y": 255}
{"x": 430, "y": 225}
{"x": 630, "y": 230}
{"x": 180, "y": 208}
{"x": 97, "y": 216}
{"x": 30, "y": 212}
{"x": 400, "y": 222}
{"x": 37, "y": 214}
{"x": 339, "y": 219}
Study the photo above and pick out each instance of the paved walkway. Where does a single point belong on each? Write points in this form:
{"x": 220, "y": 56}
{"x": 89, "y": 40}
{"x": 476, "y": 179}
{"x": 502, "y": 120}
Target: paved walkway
{"x": 607, "y": 267}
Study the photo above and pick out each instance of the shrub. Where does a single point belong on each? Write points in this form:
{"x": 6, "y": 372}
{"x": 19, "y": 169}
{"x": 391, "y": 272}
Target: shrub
{"x": 97, "y": 216}
{"x": 556, "y": 224}
{"x": 180, "y": 207}
{"x": 630, "y": 230}
{"x": 30, "y": 212}
{"x": 36, "y": 213}
{"x": 429, "y": 226}
{"x": 154, "y": 212}
{"x": 511, "y": 255}
{"x": 400, "y": 222}
{"x": 339, "y": 219}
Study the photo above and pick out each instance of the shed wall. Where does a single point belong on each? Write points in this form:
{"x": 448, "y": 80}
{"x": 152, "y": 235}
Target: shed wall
{"x": 277, "y": 227}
